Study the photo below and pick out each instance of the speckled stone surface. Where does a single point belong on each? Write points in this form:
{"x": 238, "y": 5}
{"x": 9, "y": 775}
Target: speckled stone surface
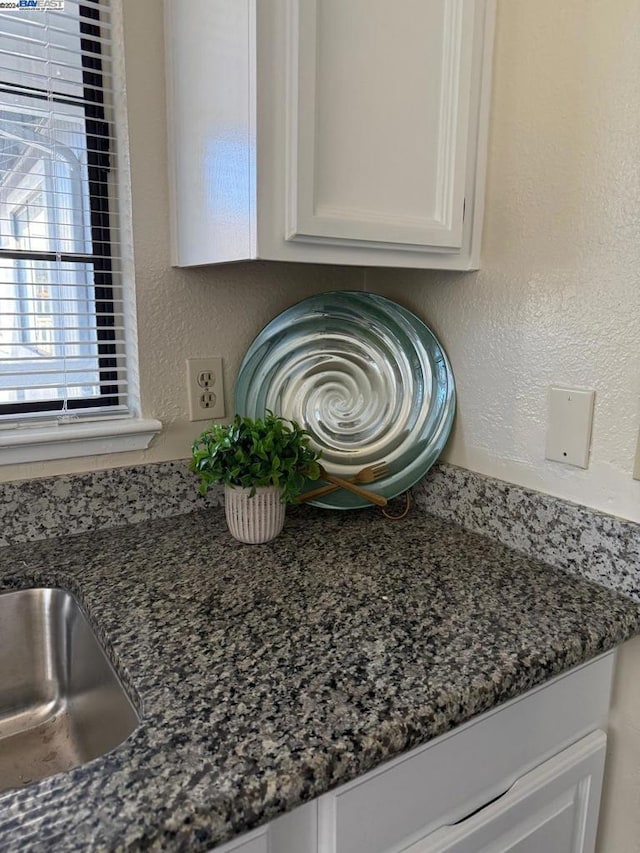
{"x": 571, "y": 537}
{"x": 76, "y": 503}
{"x": 269, "y": 674}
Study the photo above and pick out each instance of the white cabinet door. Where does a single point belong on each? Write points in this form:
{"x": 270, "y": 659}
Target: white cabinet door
{"x": 381, "y": 121}
{"x": 553, "y": 809}
{"x": 328, "y": 131}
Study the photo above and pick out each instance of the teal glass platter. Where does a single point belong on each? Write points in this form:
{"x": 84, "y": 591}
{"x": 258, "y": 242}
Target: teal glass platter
{"x": 368, "y": 380}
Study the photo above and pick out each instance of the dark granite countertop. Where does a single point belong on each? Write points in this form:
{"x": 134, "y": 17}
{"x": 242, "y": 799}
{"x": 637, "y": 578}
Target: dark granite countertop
{"x": 267, "y": 675}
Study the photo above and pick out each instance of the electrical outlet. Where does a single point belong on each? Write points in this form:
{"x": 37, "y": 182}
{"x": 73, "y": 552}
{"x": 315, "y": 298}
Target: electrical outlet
{"x": 206, "y": 388}
{"x": 207, "y": 400}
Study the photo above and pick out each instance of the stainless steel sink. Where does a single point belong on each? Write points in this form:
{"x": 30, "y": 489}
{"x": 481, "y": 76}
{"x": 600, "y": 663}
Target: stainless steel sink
{"x": 61, "y": 702}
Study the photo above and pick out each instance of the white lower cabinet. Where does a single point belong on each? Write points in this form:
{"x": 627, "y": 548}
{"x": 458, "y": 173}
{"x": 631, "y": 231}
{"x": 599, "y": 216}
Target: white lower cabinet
{"x": 553, "y": 809}
{"x": 524, "y": 777}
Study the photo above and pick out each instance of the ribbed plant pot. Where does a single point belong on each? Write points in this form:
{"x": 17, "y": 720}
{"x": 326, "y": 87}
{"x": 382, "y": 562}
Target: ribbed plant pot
{"x": 257, "y": 519}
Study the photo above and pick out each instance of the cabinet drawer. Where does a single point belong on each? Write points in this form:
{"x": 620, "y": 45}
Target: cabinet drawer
{"x": 438, "y": 784}
{"x": 553, "y": 808}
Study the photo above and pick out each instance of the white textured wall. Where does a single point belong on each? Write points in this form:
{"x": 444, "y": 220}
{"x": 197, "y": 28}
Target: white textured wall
{"x": 558, "y": 298}
{"x": 181, "y": 314}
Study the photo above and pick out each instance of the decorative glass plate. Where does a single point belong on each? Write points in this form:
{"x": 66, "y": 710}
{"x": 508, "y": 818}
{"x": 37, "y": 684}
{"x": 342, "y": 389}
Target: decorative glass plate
{"x": 365, "y": 377}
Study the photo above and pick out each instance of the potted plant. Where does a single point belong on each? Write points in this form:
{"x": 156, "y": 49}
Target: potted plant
{"x": 263, "y": 464}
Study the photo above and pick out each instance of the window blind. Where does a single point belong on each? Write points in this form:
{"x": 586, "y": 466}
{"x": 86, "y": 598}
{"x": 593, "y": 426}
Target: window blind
{"x": 62, "y": 323}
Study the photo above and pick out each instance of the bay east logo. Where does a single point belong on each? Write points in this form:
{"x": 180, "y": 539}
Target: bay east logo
{"x": 41, "y": 5}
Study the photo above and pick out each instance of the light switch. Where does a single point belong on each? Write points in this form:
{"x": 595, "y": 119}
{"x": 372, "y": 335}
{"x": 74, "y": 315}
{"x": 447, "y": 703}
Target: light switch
{"x": 569, "y": 426}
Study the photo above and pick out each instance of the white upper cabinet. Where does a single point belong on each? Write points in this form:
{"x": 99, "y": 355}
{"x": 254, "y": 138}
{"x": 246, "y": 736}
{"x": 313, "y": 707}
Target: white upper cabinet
{"x": 328, "y": 131}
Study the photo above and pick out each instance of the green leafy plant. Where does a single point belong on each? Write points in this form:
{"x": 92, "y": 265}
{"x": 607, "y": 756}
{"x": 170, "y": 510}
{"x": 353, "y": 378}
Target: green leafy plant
{"x": 269, "y": 451}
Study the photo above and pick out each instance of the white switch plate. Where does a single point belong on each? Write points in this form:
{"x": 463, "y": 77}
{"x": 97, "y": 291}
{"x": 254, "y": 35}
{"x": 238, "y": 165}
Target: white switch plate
{"x": 206, "y": 388}
{"x": 569, "y": 426}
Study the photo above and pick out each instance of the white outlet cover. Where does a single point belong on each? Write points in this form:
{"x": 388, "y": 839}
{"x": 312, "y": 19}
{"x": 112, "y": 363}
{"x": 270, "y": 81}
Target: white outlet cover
{"x": 197, "y": 391}
{"x": 569, "y": 426}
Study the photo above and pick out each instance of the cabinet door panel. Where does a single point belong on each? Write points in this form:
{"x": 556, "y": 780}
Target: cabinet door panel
{"x": 554, "y": 808}
{"x": 379, "y": 129}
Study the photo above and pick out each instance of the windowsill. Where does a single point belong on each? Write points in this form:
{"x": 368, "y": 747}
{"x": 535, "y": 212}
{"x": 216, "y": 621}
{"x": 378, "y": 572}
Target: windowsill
{"x": 68, "y": 440}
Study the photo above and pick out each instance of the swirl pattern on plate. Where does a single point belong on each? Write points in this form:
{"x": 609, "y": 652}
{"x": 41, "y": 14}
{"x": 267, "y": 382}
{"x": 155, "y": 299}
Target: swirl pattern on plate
{"x": 364, "y": 376}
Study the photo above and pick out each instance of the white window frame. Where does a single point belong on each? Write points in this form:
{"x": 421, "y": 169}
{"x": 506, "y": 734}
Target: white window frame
{"x": 43, "y": 439}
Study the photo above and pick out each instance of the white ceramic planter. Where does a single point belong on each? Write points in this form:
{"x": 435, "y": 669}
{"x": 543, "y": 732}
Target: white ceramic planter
{"x": 257, "y": 519}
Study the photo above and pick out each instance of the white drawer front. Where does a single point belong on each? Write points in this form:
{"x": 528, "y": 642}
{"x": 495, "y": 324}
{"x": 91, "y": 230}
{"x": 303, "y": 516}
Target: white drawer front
{"x": 392, "y": 806}
{"x": 553, "y": 809}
